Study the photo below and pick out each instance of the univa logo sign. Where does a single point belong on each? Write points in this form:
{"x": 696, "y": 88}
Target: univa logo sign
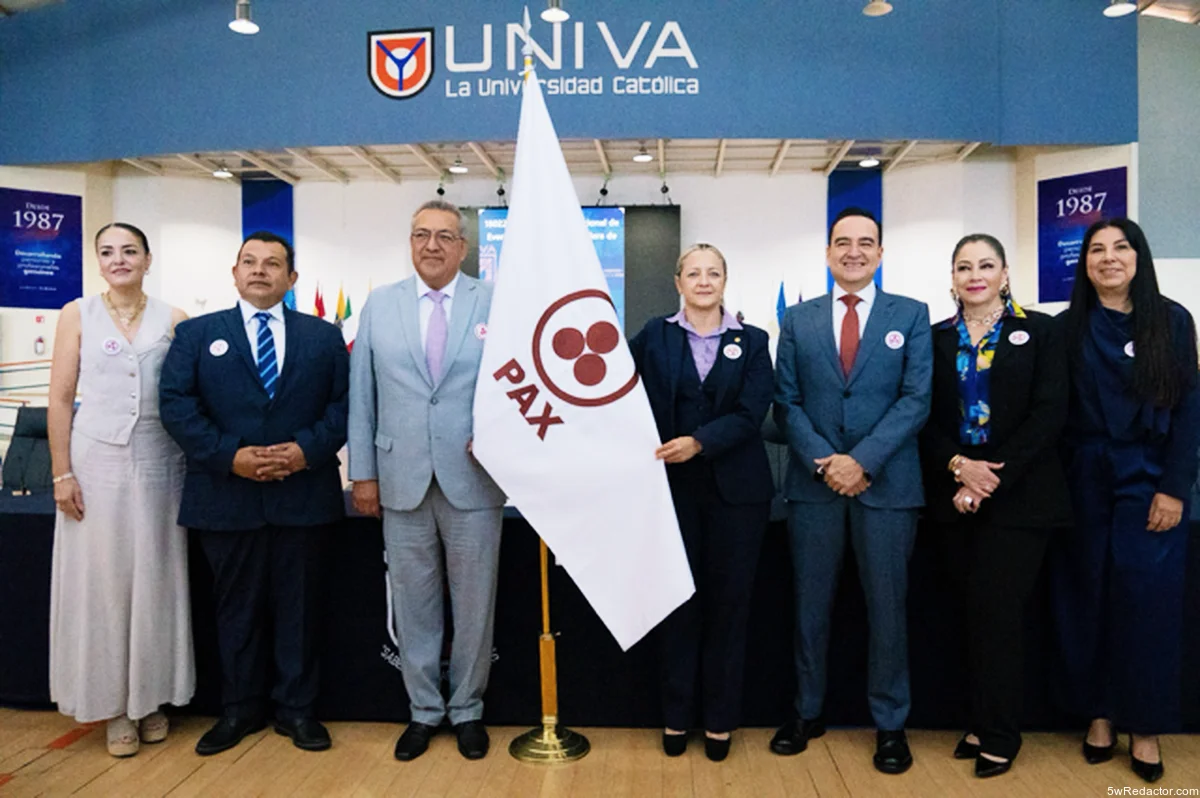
{"x": 400, "y": 63}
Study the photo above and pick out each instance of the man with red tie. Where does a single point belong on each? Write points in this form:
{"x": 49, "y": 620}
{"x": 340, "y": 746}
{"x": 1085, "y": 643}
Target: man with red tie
{"x": 852, "y": 390}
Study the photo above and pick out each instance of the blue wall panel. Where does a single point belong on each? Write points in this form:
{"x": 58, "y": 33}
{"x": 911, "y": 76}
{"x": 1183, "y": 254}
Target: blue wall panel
{"x": 1168, "y": 169}
{"x": 267, "y": 205}
{"x": 83, "y": 81}
{"x": 860, "y": 189}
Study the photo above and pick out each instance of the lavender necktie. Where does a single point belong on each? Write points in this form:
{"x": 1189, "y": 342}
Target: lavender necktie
{"x": 435, "y": 336}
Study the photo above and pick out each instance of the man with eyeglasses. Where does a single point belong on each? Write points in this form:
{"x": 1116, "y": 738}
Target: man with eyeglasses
{"x": 412, "y": 384}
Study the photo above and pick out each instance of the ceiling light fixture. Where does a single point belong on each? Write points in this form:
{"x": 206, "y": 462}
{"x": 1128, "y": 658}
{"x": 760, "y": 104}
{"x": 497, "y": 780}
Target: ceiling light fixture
{"x": 554, "y": 12}
{"x": 870, "y": 162}
{"x": 1120, "y": 8}
{"x": 643, "y": 156}
{"x": 221, "y": 173}
{"x": 241, "y": 22}
{"x": 877, "y": 8}
{"x": 458, "y": 168}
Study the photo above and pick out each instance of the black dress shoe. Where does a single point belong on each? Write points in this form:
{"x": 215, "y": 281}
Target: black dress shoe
{"x": 472, "y": 739}
{"x": 966, "y": 750}
{"x": 226, "y": 733}
{"x": 717, "y": 750}
{"x": 306, "y": 733}
{"x": 1149, "y": 771}
{"x": 793, "y": 736}
{"x": 674, "y": 744}
{"x": 891, "y": 752}
{"x": 414, "y": 741}
{"x": 986, "y": 768}
{"x": 1095, "y": 754}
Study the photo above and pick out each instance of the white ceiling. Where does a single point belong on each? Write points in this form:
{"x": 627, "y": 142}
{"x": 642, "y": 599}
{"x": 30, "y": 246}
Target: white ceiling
{"x": 398, "y": 162}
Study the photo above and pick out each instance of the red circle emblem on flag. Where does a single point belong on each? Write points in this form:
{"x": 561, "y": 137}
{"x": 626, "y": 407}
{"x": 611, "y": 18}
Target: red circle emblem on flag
{"x": 575, "y": 350}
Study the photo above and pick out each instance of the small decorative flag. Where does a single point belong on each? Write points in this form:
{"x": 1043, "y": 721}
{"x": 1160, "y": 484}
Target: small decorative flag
{"x": 319, "y": 303}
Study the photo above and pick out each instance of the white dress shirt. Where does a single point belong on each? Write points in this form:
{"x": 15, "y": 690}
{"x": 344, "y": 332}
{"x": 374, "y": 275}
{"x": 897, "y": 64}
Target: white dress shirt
{"x": 276, "y": 325}
{"x": 867, "y": 299}
{"x": 425, "y": 305}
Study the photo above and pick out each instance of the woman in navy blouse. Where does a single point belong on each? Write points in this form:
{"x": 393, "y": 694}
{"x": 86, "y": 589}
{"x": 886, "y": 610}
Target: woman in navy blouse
{"x": 995, "y": 487}
{"x": 710, "y": 382}
{"x": 1130, "y": 444}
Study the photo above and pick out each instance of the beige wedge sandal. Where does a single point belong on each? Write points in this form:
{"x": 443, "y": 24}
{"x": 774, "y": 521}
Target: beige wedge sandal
{"x": 122, "y": 736}
{"x": 154, "y": 727}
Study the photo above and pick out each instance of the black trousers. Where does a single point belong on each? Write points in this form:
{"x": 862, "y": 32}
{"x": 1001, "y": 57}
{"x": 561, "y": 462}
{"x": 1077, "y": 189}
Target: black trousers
{"x": 703, "y": 642}
{"x": 995, "y": 568}
{"x": 267, "y": 586}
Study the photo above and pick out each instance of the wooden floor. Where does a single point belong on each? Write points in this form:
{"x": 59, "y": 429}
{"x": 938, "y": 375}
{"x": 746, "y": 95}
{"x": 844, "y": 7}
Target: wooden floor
{"x": 44, "y": 753}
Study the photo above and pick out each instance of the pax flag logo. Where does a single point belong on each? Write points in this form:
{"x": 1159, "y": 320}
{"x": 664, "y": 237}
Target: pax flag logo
{"x": 400, "y": 62}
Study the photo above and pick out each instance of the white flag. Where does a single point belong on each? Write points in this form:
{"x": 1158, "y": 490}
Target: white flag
{"x": 562, "y": 422}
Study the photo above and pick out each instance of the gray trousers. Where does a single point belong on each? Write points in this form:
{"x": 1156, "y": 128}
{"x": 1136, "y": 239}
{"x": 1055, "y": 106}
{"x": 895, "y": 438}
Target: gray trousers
{"x": 426, "y": 547}
{"x": 882, "y": 541}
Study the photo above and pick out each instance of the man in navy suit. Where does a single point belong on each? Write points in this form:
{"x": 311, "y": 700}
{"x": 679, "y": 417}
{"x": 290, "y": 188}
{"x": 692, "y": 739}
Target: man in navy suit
{"x": 853, "y": 387}
{"x": 256, "y": 396}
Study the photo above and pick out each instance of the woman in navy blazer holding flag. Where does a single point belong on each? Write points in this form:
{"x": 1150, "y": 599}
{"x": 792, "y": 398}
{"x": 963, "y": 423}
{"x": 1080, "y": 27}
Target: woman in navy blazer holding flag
{"x": 710, "y": 384}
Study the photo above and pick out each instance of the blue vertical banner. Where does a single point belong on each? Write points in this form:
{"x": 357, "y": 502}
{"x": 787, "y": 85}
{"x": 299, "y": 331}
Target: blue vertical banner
{"x": 1067, "y": 207}
{"x": 606, "y": 224}
{"x": 268, "y": 205}
{"x": 41, "y": 249}
{"x": 849, "y": 188}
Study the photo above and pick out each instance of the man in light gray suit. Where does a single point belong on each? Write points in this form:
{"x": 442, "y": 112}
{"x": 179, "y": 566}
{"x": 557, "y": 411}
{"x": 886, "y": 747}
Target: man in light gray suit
{"x": 853, "y": 381}
{"x": 412, "y": 384}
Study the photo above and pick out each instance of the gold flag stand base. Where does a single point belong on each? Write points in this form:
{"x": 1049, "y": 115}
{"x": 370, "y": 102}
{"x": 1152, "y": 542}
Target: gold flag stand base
{"x": 550, "y": 744}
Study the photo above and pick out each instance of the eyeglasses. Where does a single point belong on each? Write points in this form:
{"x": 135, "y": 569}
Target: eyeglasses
{"x": 445, "y": 238}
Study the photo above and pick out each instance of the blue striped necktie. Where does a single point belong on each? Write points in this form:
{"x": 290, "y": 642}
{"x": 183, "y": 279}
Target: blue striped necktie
{"x": 268, "y": 365}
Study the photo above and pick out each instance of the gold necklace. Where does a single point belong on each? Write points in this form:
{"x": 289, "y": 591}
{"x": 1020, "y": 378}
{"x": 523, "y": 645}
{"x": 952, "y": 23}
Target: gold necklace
{"x": 987, "y": 320}
{"x": 125, "y": 318}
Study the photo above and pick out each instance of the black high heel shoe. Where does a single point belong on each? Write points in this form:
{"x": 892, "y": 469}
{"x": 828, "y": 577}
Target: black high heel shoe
{"x": 1149, "y": 771}
{"x": 1096, "y": 754}
{"x": 966, "y": 750}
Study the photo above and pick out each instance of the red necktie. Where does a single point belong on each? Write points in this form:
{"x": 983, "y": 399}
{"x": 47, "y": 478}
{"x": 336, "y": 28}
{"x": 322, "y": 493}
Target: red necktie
{"x": 849, "y": 333}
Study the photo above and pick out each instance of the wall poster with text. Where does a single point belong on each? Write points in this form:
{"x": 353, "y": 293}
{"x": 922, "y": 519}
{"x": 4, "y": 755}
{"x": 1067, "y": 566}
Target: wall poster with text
{"x": 41, "y": 249}
{"x": 606, "y": 224}
{"x": 1067, "y": 206}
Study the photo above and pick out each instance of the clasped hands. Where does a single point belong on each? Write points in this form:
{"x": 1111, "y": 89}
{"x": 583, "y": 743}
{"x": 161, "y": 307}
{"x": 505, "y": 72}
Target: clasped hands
{"x": 843, "y": 474}
{"x": 269, "y": 463}
{"x": 978, "y": 480}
